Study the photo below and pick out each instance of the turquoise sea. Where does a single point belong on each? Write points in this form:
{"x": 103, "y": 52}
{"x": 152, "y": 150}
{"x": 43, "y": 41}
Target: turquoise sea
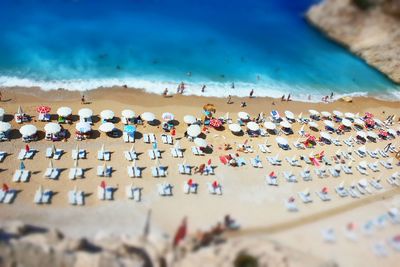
{"x": 265, "y": 45}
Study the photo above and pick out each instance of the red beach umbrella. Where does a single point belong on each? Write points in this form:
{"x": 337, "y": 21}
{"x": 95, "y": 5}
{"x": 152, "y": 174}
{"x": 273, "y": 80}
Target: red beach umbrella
{"x": 215, "y": 184}
{"x": 325, "y": 190}
{"x": 180, "y": 233}
{"x": 209, "y": 162}
{"x": 272, "y": 174}
{"x": 190, "y": 182}
{"x": 43, "y": 109}
{"x": 215, "y": 123}
{"x": 103, "y": 184}
{"x": 383, "y": 133}
{"x": 27, "y": 148}
{"x": 291, "y": 199}
{"x": 369, "y": 115}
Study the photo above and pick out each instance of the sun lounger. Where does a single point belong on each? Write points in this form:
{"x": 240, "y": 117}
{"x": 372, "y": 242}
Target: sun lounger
{"x": 152, "y": 138}
{"x": 256, "y": 163}
{"x": 125, "y": 137}
{"x": 48, "y": 172}
{"x": 49, "y": 152}
{"x": 293, "y": 162}
{"x": 364, "y": 187}
{"x": 299, "y": 145}
{"x": 72, "y": 173}
{"x": 197, "y": 151}
{"x": 334, "y": 172}
{"x": 46, "y": 197}
{"x": 208, "y": 170}
{"x": 290, "y": 177}
{"x": 373, "y": 154}
{"x": 109, "y": 193}
{"x": 38, "y": 197}
{"x": 306, "y": 175}
{"x": 17, "y": 176}
{"x": 9, "y": 196}
{"x": 264, "y": 148}
{"x": 72, "y": 197}
{"x": 321, "y": 173}
{"x": 323, "y": 196}
{"x": 54, "y": 174}
{"x": 81, "y": 154}
{"x": 107, "y": 155}
{"x": 80, "y": 198}
{"x": 346, "y": 169}
{"x": 386, "y": 164}
{"x": 146, "y": 138}
{"x": 101, "y": 193}
{"x": 326, "y": 161}
{"x": 214, "y": 190}
{"x": 383, "y": 153}
{"x": 305, "y": 197}
{"x": 373, "y": 166}
{"x": 25, "y": 176}
{"x": 271, "y": 180}
{"x": 57, "y": 155}
{"x": 341, "y": 191}
{"x": 151, "y": 153}
{"x": 184, "y": 169}
{"x": 336, "y": 142}
{"x": 174, "y": 152}
{"x": 274, "y": 161}
{"x": 291, "y": 206}
{"x": 376, "y": 183}
{"x": 362, "y": 170}
{"x": 164, "y": 189}
{"x": 353, "y": 191}
{"x": 3, "y": 155}
{"x": 22, "y": 154}
{"x": 392, "y": 180}
{"x": 164, "y": 139}
{"x": 158, "y": 171}
{"x": 329, "y": 235}
{"x": 2, "y": 195}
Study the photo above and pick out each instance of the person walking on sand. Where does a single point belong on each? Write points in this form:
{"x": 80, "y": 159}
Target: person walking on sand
{"x": 331, "y": 95}
{"x": 203, "y": 88}
{"x": 165, "y": 93}
{"x": 83, "y": 100}
{"x": 229, "y": 99}
{"x": 251, "y": 93}
{"x": 283, "y": 98}
{"x": 1, "y": 96}
{"x": 288, "y": 97}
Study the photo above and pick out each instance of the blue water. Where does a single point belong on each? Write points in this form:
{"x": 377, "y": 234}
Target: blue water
{"x": 261, "y": 44}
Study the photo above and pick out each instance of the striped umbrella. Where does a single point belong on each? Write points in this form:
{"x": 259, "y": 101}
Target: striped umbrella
{"x": 215, "y": 123}
{"x": 43, "y": 109}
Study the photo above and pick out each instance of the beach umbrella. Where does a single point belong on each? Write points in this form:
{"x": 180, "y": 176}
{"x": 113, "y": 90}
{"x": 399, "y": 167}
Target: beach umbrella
{"x": 346, "y": 122}
{"x": 21, "y": 165}
{"x": 155, "y": 145}
{"x": 329, "y": 124}
{"x": 28, "y": 130}
{"x": 281, "y": 141}
{"x": 325, "y": 135}
{"x": 369, "y": 115}
{"x": 107, "y": 114}
{"x": 4, "y": 126}
{"x": 370, "y": 122}
{"x": 252, "y": 126}
{"x": 128, "y": 113}
{"x": 326, "y": 114}
{"x": 83, "y": 127}
{"x": 5, "y": 188}
{"x": 193, "y": 130}
{"x": 289, "y": 115}
{"x": 391, "y": 132}
{"x": 313, "y": 124}
{"x": 52, "y": 128}
{"x": 167, "y": 116}
{"x": 103, "y": 184}
{"x": 85, "y": 113}
{"x": 20, "y": 111}
{"x": 215, "y": 123}
{"x": 285, "y": 124}
{"x": 378, "y": 121}
{"x": 107, "y": 127}
{"x": 359, "y": 122}
{"x": 313, "y": 112}
{"x": 362, "y": 134}
{"x": 234, "y": 127}
{"x": 64, "y": 111}
{"x": 200, "y": 142}
{"x": 349, "y": 115}
{"x": 269, "y": 125}
{"x": 130, "y": 129}
{"x": 148, "y": 116}
{"x": 180, "y": 233}
{"x": 243, "y": 115}
{"x": 337, "y": 113}
{"x": 43, "y": 109}
{"x": 189, "y": 119}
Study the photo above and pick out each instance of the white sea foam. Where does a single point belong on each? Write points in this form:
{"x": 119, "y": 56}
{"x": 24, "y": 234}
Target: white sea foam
{"x": 268, "y": 88}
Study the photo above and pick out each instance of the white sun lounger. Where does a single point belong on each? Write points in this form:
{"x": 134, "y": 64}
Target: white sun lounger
{"x": 334, "y": 172}
{"x": 22, "y": 154}
{"x": 293, "y": 162}
{"x": 125, "y": 137}
{"x": 291, "y": 206}
{"x": 184, "y": 169}
{"x": 306, "y": 175}
{"x": 46, "y": 197}
{"x": 3, "y": 155}
{"x": 305, "y": 197}
{"x": 9, "y": 196}
{"x": 386, "y": 164}
{"x": 109, "y": 193}
{"x": 57, "y": 155}
{"x": 373, "y": 166}
{"x": 49, "y": 152}
{"x": 81, "y": 154}
{"x": 38, "y": 197}
{"x": 290, "y": 177}
{"x": 373, "y": 154}
{"x": 101, "y": 193}
{"x": 152, "y": 138}
{"x": 17, "y": 176}
{"x": 209, "y": 170}
{"x": 264, "y": 148}
{"x": 273, "y": 181}
{"x": 392, "y": 180}
{"x": 321, "y": 173}
{"x": 197, "y": 151}
{"x": 336, "y": 142}
{"x": 375, "y": 183}
{"x": 341, "y": 191}
{"x": 323, "y": 196}
{"x": 72, "y": 197}
{"x": 214, "y": 190}
{"x": 146, "y": 138}
{"x": 130, "y": 155}
{"x": 274, "y": 161}
{"x": 256, "y": 163}
{"x": 346, "y": 169}
{"x": 25, "y": 176}
{"x": 353, "y": 192}
{"x": 362, "y": 170}
{"x": 383, "y": 153}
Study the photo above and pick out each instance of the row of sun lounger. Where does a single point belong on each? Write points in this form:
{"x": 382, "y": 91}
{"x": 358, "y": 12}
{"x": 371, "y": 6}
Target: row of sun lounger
{"x": 8, "y": 196}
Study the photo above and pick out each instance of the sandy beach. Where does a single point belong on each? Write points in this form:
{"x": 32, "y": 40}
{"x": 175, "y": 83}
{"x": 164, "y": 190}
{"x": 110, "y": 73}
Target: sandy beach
{"x": 257, "y": 207}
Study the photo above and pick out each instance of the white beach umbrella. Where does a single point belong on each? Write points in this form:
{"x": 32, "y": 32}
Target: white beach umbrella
{"x": 373, "y": 135}
{"x": 289, "y": 115}
{"x": 83, "y": 127}
{"x": 4, "y": 126}
{"x": 281, "y": 141}
{"x": 107, "y": 114}
{"x": 148, "y": 116}
{"x": 329, "y": 124}
{"x": 200, "y": 142}
{"x": 391, "y": 132}
{"x": 28, "y": 130}
{"x": 269, "y": 125}
{"x": 378, "y": 121}
{"x": 128, "y": 113}
{"x": 346, "y": 122}
{"x": 252, "y": 126}
{"x": 337, "y": 113}
{"x": 189, "y": 119}
{"x": 243, "y": 115}
{"x": 64, "y": 111}
{"x": 313, "y": 112}
{"x": 193, "y": 130}
{"x": 313, "y": 124}
{"x": 85, "y": 113}
{"x": 52, "y": 128}
{"x": 167, "y": 116}
{"x": 325, "y": 135}
{"x": 1, "y": 112}
{"x": 234, "y": 127}
{"x": 285, "y": 124}
{"x": 107, "y": 127}
{"x": 362, "y": 134}
{"x": 363, "y": 182}
{"x": 349, "y": 115}
{"x": 326, "y": 114}
{"x": 359, "y": 122}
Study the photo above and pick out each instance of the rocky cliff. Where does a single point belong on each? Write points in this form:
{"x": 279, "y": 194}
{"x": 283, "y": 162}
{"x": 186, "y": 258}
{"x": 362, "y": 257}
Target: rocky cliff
{"x": 369, "y": 28}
